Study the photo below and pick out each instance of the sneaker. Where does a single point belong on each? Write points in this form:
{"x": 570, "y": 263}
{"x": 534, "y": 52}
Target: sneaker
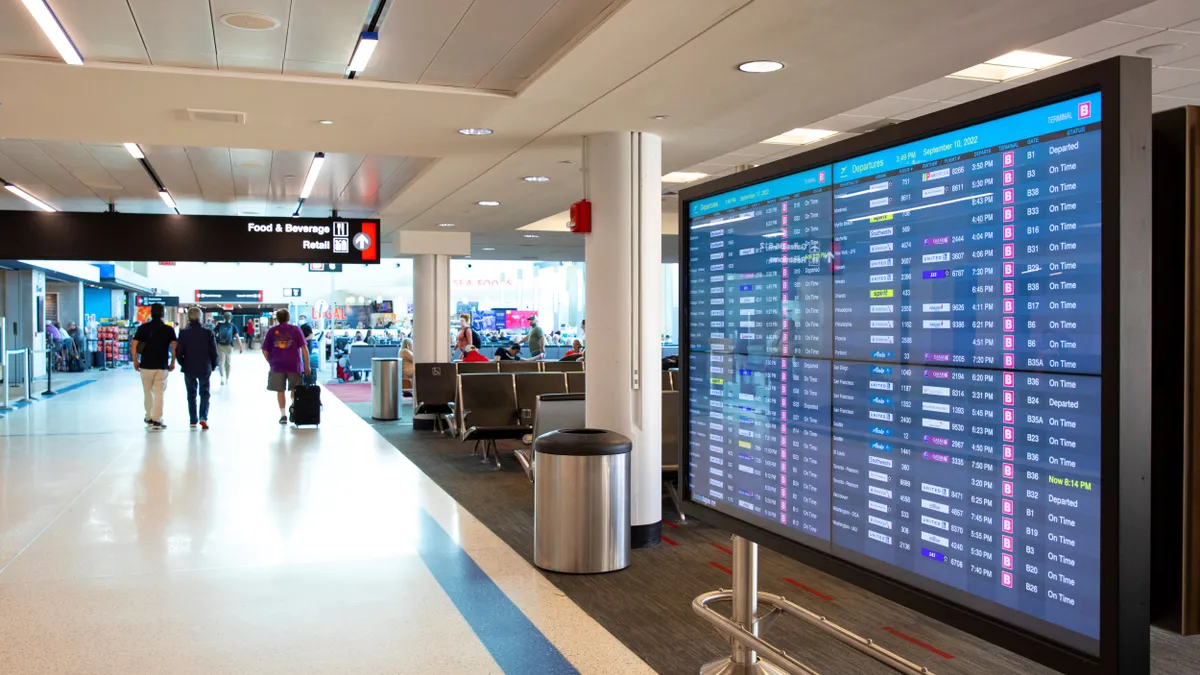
{"x": 157, "y": 426}
{"x": 146, "y": 421}
{"x": 283, "y": 419}
{"x": 204, "y": 425}
{"x": 192, "y": 425}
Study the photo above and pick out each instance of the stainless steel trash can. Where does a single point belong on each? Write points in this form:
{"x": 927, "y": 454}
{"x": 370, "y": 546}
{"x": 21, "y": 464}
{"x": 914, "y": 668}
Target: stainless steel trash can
{"x": 385, "y": 389}
{"x": 581, "y": 501}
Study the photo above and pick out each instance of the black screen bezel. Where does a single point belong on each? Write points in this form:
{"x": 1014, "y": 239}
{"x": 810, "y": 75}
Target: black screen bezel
{"x": 1125, "y": 386}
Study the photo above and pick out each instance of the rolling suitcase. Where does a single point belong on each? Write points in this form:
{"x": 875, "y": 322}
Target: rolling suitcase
{"x": 306, "y": 407}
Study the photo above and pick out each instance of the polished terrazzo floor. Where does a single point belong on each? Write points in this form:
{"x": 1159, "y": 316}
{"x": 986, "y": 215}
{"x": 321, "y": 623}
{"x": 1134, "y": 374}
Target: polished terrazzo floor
{"x": 254, "y": 548}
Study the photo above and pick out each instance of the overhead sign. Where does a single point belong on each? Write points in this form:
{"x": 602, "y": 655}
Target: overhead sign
{"x": 119, "y": 236}
{"x": 291, "y": 292}
{"x": 166, "y": 300}
{"x": 216, "y": 297}
{"x": 324, "y": 267}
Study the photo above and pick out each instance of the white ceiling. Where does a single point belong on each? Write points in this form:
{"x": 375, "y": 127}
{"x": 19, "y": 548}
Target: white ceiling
{"x": 490, "y": 44}
{"x": 616, "y": 70}
{"x": 75, "y": 176}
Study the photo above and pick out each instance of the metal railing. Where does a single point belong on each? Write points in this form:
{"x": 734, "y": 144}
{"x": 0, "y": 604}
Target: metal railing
{"x": 5, "y": 352}
{"x": 742, "y": 628}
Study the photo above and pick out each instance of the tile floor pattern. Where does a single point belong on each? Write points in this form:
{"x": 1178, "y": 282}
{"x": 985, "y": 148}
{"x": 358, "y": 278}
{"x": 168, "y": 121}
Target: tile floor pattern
{"x": 254, "y": 548}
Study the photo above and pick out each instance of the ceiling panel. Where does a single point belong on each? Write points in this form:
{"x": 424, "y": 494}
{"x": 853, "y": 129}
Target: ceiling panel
{"x": 363, "y": 189}
{"x": 1093, "y": 38}
{"x": 72, "y": 194}
{"x": 174, "y": 169}
{"x": 251, "y": 49}
{"x": 251, "y": 179}
{"x": 139, "y": 194}
{"x": 941, "y": 89}
{"x": 1190, "y": 42}
{"x": 176, "y": 32}
{"x": 925, "y": 110}
{"x": 1167, "y": 79}
{"x": 412, "y": 33}
{"x": 1192, "y": 63}
{"x": 74, "y": 157}
{"x": 322, "y": 34}
{"x": 482, "y": 39}
{"x": 102, "y": 30}
{"x": 288, "y": 169}
{"x": 20, "y": 35}
{"x": 335, "y": 175}
{"x": 1162, "y": 14}
{"x": 1168, "y": 102}
{"x": 555, "y": 29}
{"x": 18, "y": 175}
{"x": 886, "y": 107}
{"x": 214, "y": 175}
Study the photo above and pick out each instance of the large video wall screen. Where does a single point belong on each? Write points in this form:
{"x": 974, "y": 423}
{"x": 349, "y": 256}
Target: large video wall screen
{"x": 896, "y": 359}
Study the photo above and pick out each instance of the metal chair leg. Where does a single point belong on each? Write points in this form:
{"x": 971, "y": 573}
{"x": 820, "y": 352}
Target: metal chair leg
{"x": 496, "y": 455}
{"x": 674, "y": 493}
{"x": 475, "y": 450}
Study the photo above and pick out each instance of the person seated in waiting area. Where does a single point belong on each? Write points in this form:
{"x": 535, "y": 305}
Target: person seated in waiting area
{"x": 473, "y": 355}
{"x": 358, "y": 338}
{"x": 369, "y": 339}
{"x": 576, "y": 349}
{"x": 509, "y": 353}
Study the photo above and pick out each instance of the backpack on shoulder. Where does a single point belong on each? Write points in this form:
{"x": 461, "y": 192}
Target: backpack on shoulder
{"x": 225, "y": 334}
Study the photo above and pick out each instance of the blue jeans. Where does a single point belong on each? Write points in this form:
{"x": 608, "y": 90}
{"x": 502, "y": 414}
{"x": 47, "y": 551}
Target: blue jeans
{"x": 194, "y": 382}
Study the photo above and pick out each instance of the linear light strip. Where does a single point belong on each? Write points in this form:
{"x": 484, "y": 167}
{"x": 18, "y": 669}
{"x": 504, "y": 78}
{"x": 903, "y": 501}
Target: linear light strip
{"x": 50, "y": 25}
{"x": 367, "y": 42}
{"x": 314, "y": 170}
{"x": 28, "y": 197}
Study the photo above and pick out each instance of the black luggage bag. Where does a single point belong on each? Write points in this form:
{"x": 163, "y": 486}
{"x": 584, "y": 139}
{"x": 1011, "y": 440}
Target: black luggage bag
{"x": 306, "y": 407}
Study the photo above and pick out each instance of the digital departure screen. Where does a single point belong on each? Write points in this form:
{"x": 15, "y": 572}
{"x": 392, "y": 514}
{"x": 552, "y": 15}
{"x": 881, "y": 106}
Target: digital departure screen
{"x": 896, "y": 359}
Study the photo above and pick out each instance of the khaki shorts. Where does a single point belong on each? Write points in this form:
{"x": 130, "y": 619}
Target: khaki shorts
{"x": 284, "y": 381}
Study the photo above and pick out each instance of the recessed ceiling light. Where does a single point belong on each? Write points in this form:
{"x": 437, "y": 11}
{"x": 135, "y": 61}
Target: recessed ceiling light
{"x": 1160, "y": 50}
{"x": 445, "y": 224}
{"x": 760, "y": 66}
{"x": 531, "y": 236}
{"x": 250, "y": 21}
{"x": 566, "y": 161}
{"x": 536, "y": 179}
{"x": 488, "y": 248}
{"x": 475, "y": 131}
{"x": 326, "y": 122}
{"x": 661, "y": 118}
{"x": 135, "y": 150}
{"x": 1010, "y": 66}
{"x": 683, "y": 177}
{"x": 801, "y": 136}
{"x": 488, "y": 202}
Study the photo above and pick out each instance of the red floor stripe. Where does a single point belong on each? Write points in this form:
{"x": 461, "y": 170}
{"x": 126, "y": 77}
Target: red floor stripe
{"x": 802, "y": 587}
{"x": 722, "y": 548}
{"x": 913, "y": 640}
{"x": 669, "y": 541}
{"x": 670, "y": 524}
{"x": 721, "y": 567}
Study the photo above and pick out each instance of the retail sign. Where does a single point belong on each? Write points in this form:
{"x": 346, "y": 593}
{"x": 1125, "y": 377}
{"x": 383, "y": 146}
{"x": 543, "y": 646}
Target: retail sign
{"x": 291, "y": 292}
{"x": 166, "y": 300}
{"x": 120, "y": 236}
{"x": 166, "y": 263}
{"x": 324, "y": 267}
{"x": 484, "y": 283}
{"x": 219, "y": 297}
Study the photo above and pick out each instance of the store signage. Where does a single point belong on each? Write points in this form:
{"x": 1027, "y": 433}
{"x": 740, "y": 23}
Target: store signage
{"x": 166, "y": 300}
{"x": 119, "y": 236}
{"x": 291, "y": 292}
{"x": 324, "y": 267}
{"x": 228, "y": 296}
{"x": 483, "y": 283}
{"x": 166, "y": 263}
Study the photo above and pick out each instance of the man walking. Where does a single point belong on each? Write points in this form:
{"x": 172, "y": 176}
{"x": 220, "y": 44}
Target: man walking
{"x": 285, "y": 350}
{"x": 227, "y": 337}
{"x": 536, "y": 340}
{"x": 153, "y": 350}
{"x": 197, "y": 353}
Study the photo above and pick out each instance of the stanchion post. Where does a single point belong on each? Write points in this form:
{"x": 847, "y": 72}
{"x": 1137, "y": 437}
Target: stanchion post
{"x": 28, "y": 374}
{"x": 49, "y": 372}
{"x": 743, "y": 660}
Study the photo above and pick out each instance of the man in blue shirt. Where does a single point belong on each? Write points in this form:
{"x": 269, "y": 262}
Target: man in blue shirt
{"x": 197, "y": 353}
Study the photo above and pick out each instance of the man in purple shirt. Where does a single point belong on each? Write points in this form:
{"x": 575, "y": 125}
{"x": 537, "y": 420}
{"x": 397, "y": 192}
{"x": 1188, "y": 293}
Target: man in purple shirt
{"x": 286, "y": 351}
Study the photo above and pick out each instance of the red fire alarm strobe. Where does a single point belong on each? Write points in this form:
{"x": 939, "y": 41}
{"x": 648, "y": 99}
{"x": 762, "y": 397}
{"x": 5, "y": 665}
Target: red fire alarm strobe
{"x": 581, "y": 217}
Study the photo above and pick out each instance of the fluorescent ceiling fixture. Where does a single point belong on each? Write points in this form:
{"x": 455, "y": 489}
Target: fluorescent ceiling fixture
{"x": 488, "y": 202}
{"x": 325, "y": 122}
{"x": 760, "y": 66}
{"x": 532, "y": 236}
{"x": 445, "y": 224}
{"x": 475, "y": 131}
{"x": 314, "y": 170}
{"x": 1010, "y": 66}
{"x": 488, "y": 248}
{"x": 168, "y": 199}
{"x": 28, "y": 197}
{"x": 1034, "y": 60}
{"x": 683, "y": 177}
{"x": 536, "y": 179}
{"x": 367, "y": 42}
{"x": 53, "y": 29}
{"x": 135, "y": 150}
{"x": 801, "y": 136}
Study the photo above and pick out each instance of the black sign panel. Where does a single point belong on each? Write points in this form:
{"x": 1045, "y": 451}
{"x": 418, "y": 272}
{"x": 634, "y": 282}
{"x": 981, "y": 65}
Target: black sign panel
{"x": 120, "y": 236}
{"x": 166, "y": 300}
{"x": 228, "y": 296}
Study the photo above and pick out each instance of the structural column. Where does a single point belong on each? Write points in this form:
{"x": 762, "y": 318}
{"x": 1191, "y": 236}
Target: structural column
{"x": 431, "y": 307}
{"x": 624, "y": 277}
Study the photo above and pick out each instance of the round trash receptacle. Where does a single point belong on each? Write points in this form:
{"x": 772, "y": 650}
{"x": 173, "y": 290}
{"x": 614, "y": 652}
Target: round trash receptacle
{"x": 581, "y": 501}
{"x": 385, "y": 389}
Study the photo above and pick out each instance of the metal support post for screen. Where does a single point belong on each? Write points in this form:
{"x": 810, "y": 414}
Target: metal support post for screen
{"x": 752, "y": 655}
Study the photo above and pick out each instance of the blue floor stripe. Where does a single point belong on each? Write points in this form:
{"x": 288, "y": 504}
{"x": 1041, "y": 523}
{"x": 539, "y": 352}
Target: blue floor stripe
{"x": 59, "y": 392}
{"x": 511, "y": 638}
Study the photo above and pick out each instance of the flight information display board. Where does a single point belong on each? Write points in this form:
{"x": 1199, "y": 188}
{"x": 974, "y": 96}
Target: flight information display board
{"x": 896, "y": 359}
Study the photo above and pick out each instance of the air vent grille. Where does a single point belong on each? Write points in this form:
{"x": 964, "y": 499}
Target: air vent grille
{"x": 219, "y": 116}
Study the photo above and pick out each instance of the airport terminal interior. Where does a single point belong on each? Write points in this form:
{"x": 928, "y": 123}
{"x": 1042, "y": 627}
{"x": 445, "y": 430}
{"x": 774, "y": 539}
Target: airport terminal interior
{"x": 599, "y": 336}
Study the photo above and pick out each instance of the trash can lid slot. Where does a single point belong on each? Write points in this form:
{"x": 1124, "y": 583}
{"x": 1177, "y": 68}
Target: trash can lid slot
{"x": 582, "y": 443}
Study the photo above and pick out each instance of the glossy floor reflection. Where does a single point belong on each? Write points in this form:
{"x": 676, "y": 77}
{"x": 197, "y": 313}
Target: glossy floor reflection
{"x": 254, "y": 548}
